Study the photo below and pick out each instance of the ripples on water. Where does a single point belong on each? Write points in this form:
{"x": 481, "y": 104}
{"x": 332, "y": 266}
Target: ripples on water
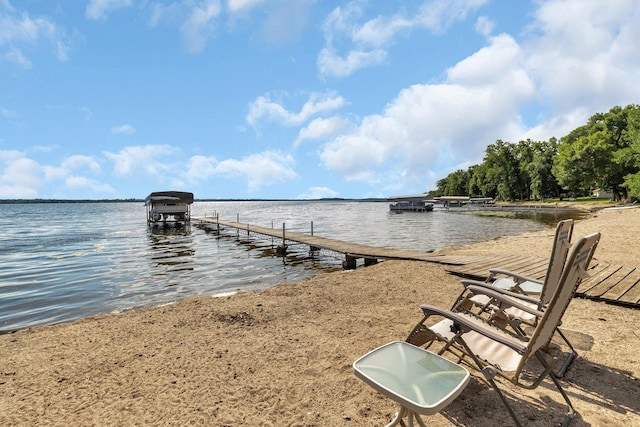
{"x": 61, "y": 262}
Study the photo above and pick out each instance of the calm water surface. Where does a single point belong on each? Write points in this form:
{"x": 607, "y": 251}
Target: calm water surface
{"x": 61, "y": 262}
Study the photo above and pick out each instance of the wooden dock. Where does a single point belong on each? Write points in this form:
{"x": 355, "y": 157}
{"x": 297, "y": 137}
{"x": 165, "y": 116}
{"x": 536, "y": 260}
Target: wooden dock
{"x": 611, "y": 283}
{"x": 608, "y": 282}
{"x": 352, "y": 251}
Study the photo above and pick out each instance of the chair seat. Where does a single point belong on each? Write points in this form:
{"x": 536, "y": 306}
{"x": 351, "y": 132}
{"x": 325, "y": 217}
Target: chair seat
{"x": 417, "y": 379}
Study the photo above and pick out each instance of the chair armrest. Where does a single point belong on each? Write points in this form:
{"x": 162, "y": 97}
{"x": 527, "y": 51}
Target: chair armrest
{"x": 519, "y": 278}
{"x": 509, "y": 299}
{"x": 467, "y": 282}
{"x": 467, "y": 324}
{"x": 476, "y": 284}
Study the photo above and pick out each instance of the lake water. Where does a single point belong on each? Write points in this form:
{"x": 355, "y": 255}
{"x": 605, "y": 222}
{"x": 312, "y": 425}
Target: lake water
{"x": 63, "y": 261}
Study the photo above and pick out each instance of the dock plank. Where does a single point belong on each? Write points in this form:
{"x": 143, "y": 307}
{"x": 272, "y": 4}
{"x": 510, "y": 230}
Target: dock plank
{"x": 616, "y": 292}
{"x": 605, "y": 285}
{"x": 598, "y": 274}
{"x": 480, "y": 268}
{"x": 632, "y": 295}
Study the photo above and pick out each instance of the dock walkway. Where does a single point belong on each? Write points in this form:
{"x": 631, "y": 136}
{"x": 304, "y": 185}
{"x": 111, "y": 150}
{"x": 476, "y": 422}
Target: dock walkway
{"x": 614, "y": 284}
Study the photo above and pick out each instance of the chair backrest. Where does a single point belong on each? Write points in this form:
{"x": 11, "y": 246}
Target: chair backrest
{"x": 558, "y": 258}
{"x": 575, "y": 270}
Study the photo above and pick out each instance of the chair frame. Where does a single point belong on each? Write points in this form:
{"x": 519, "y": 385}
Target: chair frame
{"x": 497, "y": 312}
{"x": 453, "y": 330}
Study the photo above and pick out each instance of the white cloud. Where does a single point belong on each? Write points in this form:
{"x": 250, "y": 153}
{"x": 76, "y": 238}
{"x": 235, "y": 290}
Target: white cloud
{"x": 259, "y": 169}
{"x": 264, "y": 108}
{"x": 485, "y": 26}
{"x": 318, "y": 193}
{"x": 201, "y": 168}
{"x": 242, "y": 5}
{"x": 83, "y": 183}
{"x": 321, "y": 128}
{"x": 431, "y": 123}
{"x": 577, "y": 59}
{"x": 16, "y": 57}
{"x": 124, "y": 129}
{"x": 19, "y": 31}
{"x": 98, "y": 10}
{"x": 79, "y": 161}
{"x": 62, "y": 50}
{"x": 332, "y": 64}
{"x": 583, "y": 56}
{"x": 365, "y": 43}
{"x": 153, "y": 160}
{"x": 438, "y": 15}
{"x": 8, "y": 114}
{"x": 23, "y": 177}
{"x": 200, "y": 25}
{"x": 500, "y": 61}
{"x": 20, "y": 177}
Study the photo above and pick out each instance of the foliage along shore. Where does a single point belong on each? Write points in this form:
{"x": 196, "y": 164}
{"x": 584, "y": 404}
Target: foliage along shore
{"x": 603, "y": 154}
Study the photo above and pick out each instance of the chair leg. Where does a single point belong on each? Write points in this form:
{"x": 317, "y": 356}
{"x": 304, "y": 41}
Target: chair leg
{"x": 505, "y": 402}
{"x": 572, "y": 412}
{"x": 489, "y": 373}
{"x": 569, "y": 360}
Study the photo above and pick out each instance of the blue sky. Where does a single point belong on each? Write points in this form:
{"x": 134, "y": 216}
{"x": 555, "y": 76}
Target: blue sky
{"x": 107, "y": 99}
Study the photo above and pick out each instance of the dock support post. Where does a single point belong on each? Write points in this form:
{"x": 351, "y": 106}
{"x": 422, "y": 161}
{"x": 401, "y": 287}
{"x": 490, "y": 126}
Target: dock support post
{"x": 349, "y": 263}
{"x": 312, "y": 228}
{"x": 282, "y": 249}
{"x": 272, "y": 236}
{"x": 370, "y": 261}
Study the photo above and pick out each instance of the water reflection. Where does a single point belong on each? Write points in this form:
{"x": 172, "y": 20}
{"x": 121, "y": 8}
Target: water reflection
{"x": 171, "y": 248}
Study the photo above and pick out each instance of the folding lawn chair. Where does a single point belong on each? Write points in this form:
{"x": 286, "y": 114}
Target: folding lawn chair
{"x": 493, "y": 351}
{"x": 532, "y": 293}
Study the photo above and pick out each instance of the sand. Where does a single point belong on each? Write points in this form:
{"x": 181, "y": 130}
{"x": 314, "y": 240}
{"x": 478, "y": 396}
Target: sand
{"x": 283, "y": 356}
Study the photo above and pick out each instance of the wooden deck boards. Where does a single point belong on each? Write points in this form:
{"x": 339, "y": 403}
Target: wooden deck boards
{"x": 611, "y": 283}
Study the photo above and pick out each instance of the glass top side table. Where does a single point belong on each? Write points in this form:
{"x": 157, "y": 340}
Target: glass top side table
{"x": 420, "y": 381}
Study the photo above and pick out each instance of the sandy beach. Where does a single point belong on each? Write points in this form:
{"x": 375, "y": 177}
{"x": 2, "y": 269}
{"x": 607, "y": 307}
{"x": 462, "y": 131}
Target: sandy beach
{"x": 283, "y": 356}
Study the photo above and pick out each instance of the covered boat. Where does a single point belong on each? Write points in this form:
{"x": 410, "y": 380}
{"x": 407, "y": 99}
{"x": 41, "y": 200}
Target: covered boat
{"x": 415, "y": 202}
{"x": 173, "y": 206}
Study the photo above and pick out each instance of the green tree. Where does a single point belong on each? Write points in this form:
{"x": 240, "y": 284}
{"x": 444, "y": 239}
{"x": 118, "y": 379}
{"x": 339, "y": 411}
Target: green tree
{"x": 541, "y": 179}
{"x": 630, "y": 157}
{"x": 502, "y": 170}
{"x": 455, "y": 184}
{"x": 588, "y": 157}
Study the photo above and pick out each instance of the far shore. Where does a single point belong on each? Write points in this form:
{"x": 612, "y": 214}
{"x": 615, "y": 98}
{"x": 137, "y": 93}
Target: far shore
{"x": 283, "y": 355}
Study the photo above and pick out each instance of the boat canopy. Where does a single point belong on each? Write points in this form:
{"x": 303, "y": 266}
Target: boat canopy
{"x": 169, "y": 196}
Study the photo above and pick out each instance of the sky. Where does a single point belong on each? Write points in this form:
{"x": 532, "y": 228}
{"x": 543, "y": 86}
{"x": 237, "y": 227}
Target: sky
{"x": 294, "y": 99}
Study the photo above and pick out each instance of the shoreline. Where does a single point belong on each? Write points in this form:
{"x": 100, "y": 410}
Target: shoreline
{"x": 282, "y": 356}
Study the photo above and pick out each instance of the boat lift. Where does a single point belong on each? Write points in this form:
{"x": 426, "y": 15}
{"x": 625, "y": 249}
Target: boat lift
{"x": 168, "y": 206}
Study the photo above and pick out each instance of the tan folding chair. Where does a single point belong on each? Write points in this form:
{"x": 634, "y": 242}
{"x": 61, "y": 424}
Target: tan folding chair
{"x": 495, "y": 352}
{"x": 532, "y": 293}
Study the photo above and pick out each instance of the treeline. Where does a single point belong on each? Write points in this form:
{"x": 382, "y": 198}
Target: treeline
{"x": 33, "y": 201}
{"x": 602, "y": 154}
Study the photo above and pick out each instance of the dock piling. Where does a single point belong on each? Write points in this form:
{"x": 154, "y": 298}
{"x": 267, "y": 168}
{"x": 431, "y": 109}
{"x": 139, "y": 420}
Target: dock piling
{"x": 349, "y": 263}
{"x": 282, "y": 249}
